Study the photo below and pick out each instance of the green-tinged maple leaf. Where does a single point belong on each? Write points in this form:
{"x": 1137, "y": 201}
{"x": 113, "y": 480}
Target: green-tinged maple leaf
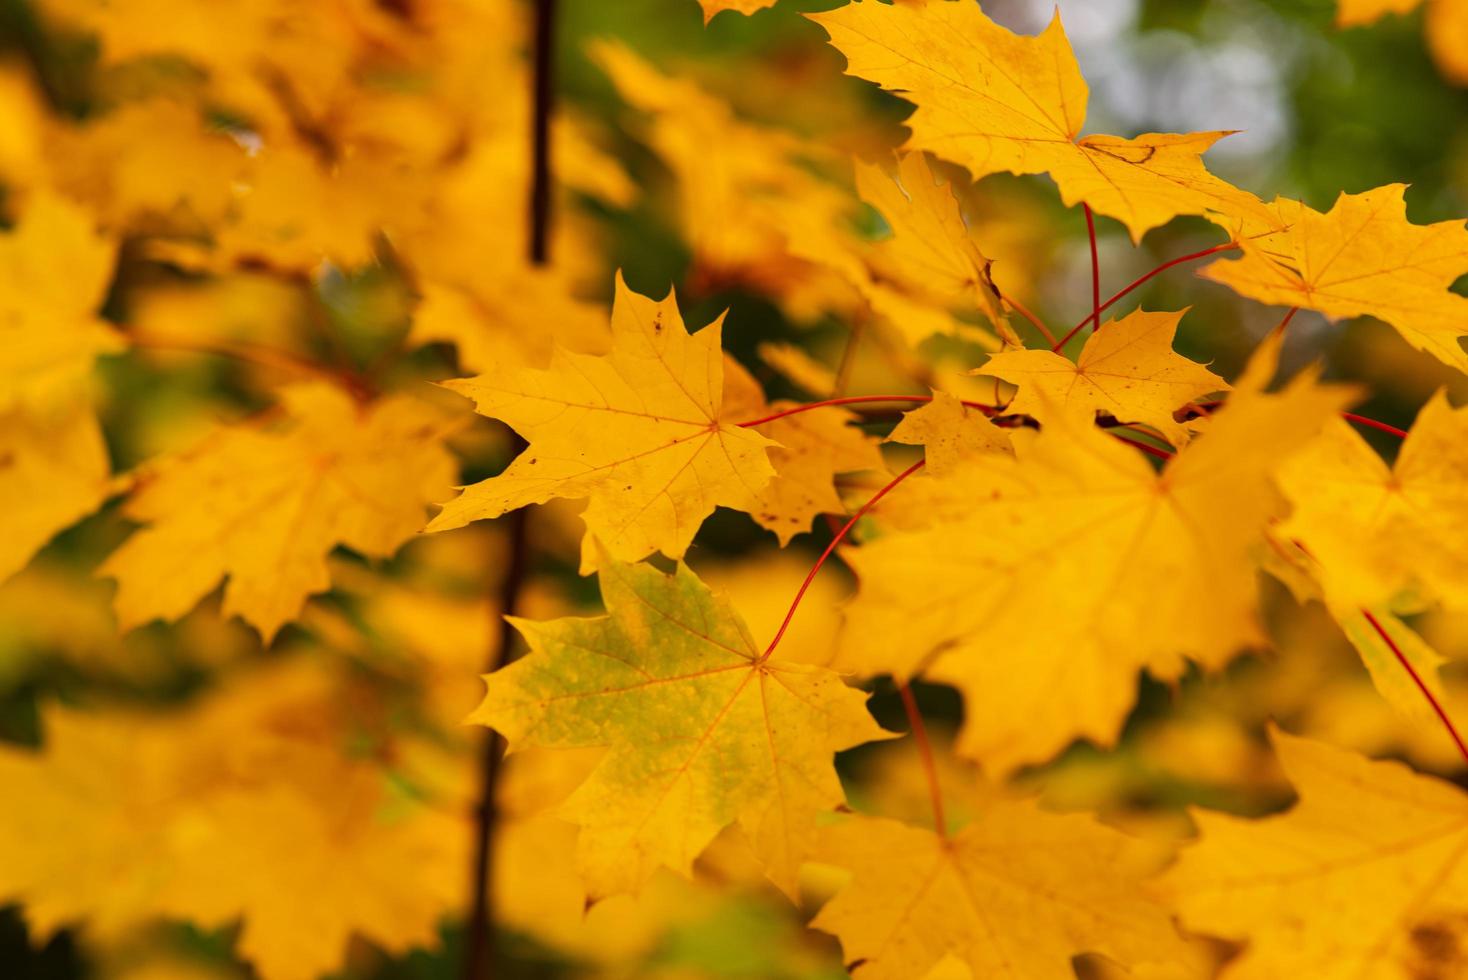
{"x": 701, "y": 730}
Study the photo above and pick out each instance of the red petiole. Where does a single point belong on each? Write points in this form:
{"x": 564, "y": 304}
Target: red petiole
{"x": 1437, "y": 708}
{"x": 835, "y": 540}
{"x": 1095, "y": 269}
{"x": 1095, "y": 314}
{"x": 859, "y": 400}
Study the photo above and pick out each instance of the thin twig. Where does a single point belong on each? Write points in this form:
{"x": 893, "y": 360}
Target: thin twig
{"x": 479, "y": 950}
{"x": 1094, "y": 314}
{"x": 857, "y": 400}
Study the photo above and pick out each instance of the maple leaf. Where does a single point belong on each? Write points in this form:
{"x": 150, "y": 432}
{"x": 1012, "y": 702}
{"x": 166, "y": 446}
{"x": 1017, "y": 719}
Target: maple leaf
{"x": 1127, "y": 369}
{"x": 1379, "y": 531}
{"x": 53, "y": 471}
{"x": 1125, "y": 566}
{"x": 54, "y": 272}
{"x": 1363, "y": 877}
{"x": 995, "y": 101}
{"x": 950, "y": 432}
{"x": 1362, "y": 258}
{"x": 931, "y": 256}
{"x": 1017, "y": 893}
{"x": 701, "y": 730}
{"x": 155, "y": 160}
{"x": 642, "y": 432}
{"x": 216, "y": 814}
{"x": 265, "y": 507}
{"x": 292, "y": 211}
{"x": 930, "y": 246}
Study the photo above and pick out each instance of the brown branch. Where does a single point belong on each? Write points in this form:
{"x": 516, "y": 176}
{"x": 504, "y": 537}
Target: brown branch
{"x": 479, "y": 947}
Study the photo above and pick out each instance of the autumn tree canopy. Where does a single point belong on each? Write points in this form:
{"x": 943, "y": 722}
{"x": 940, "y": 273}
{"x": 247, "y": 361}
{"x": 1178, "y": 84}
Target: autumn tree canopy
{"x": 708, "y": 489}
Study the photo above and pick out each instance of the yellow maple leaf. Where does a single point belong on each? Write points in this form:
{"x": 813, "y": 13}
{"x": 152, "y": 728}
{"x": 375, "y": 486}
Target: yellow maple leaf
{"x": 642, "y": 432}
{"x": 54, "y": 272}
{"x": 306, "y": 877}
{"x": 264, "y": 507}
{"x": 1127, "y": 369}
{"x": 701, "y": 731}
{"x": 1017, "y": 893}
{"x": 154, "y": 160}
{"x": 950, "y": 432}
{"x": 931, "y": 245}
{"x": 995, "y": 101}
{"x": 931, "y": 256}
{"x": 54, "y": 471}
{"x": 293, "y": 211}
{"x": 1380, "y": 531}
{"x": 216, "y": 814}
{"x": 1363, "y": 877}
{"x": 1362, "y": 258}
{"x": 1126, "y": 567}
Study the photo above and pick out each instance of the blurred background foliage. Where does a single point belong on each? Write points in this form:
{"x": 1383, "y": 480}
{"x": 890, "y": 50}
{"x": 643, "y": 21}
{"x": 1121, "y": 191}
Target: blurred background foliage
{"x": 1320, "y": 111}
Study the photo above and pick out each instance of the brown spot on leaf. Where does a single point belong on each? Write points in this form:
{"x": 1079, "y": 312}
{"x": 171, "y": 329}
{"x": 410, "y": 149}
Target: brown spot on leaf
{"x": 1435, "y": 949}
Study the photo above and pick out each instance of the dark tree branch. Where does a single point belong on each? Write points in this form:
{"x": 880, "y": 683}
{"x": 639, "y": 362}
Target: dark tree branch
{"x": 479, "y": 952}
